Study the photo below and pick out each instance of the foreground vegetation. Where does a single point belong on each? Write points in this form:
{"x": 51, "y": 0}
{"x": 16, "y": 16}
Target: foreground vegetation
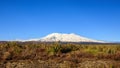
{"x": 58, "y": 55}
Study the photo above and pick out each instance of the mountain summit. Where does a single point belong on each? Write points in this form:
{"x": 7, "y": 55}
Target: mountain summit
{"x": 66, "y": 38}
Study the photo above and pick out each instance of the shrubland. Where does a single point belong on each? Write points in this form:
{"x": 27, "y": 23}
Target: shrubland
{"x": 60, "y": 55}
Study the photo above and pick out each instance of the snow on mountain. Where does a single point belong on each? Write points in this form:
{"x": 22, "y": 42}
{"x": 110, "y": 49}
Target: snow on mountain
{"x": 63, "y": 38}
{"x": 66, "y": 38}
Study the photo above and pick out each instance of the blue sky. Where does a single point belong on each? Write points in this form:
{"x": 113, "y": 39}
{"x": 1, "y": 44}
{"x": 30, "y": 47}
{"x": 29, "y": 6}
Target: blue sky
{"x": 25, "y": 19}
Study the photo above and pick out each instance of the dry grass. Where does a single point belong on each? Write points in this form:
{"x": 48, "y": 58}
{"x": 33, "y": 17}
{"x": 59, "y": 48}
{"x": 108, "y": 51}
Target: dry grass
{"x": 61, "y": 55}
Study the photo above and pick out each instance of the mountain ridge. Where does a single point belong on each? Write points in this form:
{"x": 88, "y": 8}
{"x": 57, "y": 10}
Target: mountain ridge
{"x": 63, "y": 37}
{"x": 66, "y": 38}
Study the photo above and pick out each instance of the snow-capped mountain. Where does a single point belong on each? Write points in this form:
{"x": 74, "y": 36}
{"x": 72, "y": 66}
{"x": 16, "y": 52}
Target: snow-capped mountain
{"x": 63, "y": 38}
{"x": 66, "y": 38}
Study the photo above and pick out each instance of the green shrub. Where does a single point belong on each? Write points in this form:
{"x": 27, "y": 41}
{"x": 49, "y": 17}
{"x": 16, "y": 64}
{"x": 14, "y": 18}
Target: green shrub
{"x": 54, "y": 49}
